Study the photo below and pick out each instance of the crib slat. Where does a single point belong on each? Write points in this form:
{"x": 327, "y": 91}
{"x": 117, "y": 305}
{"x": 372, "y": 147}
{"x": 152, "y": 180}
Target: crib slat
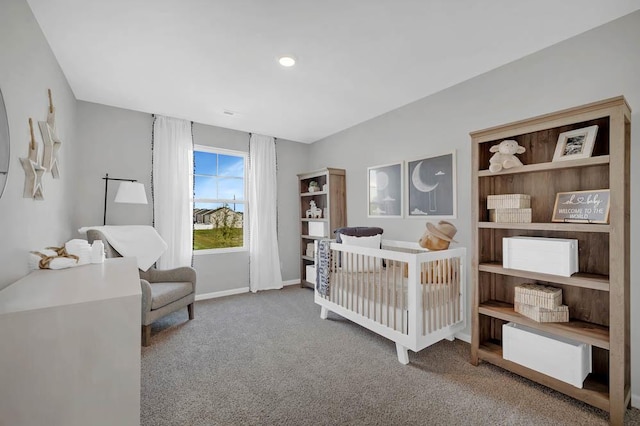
{"x": 446, "y": 291}
{"x": 431, "y": 302}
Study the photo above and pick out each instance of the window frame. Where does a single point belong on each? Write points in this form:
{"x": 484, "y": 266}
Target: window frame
{"x": 245, "y": 202}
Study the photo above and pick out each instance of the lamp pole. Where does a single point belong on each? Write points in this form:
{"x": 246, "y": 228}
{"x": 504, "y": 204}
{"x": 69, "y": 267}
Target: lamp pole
{"x": 106, "y": 186}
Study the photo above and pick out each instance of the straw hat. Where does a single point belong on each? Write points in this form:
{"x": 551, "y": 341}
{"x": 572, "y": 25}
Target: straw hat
{"x": 443, "y": 230}
{"x": 438, "y": 237}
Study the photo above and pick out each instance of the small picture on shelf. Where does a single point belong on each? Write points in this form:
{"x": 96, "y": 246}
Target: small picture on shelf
{"x": 575, "y": 144}
{"x": 582, "y": 206}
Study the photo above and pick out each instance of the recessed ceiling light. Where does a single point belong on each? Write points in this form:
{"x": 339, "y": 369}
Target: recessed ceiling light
{"x": 287, "y": 61}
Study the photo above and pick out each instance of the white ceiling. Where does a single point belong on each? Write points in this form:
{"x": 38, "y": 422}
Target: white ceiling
{"x": 357, "y": 59}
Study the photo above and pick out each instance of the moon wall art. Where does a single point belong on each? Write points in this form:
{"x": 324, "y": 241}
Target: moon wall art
{"x": 385, "y": 190}
{"x": 432, "y": 187}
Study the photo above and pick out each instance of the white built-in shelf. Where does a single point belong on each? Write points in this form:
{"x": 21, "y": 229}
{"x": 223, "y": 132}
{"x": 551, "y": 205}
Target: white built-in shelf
{"x": 314, "y": 220}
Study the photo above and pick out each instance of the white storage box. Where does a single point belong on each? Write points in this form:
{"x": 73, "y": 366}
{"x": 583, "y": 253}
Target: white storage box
{"x": 509, "y": 201}
{"x": 557, "y": 256}
{"x": 318, "y": 229}
{"x": 555, "y": 356}
{"x": 311, "y": 274}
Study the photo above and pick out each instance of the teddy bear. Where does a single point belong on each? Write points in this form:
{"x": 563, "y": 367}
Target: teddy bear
{"x": 505, "y": 156}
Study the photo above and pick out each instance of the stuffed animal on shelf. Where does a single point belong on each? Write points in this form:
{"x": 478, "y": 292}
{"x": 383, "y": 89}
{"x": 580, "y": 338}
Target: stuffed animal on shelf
{"x": 505, "y": 156}
{"x": 438, "y": 237}
{"x": 314, "y": 212}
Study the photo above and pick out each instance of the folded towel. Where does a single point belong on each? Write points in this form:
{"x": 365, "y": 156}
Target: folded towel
{"x": 80, "y": 248}
{"x": 52, "y": 258}
{"x": 139, "y": 241}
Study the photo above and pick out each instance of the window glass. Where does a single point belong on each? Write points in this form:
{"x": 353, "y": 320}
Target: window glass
{"x": 219, "y": 199}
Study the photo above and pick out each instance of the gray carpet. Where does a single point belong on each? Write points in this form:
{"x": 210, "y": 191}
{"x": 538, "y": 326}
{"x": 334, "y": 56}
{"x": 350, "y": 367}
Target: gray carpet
{"x": 268, "y": 359}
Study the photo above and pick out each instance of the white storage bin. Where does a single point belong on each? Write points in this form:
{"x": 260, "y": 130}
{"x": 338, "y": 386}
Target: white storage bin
{"x": 318, "y": 229}
{"x": 555, "y": 356}
{"x": 311, "y": 274}
{"x": 557, "y": 256}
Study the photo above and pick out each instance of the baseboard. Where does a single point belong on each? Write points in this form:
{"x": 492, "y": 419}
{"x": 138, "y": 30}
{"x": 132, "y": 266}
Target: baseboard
{"x": 291, "y": 282}
{"x": 464, "y": 337}
{"x": 635, "y": 401}
{"x": 223, "y": 293}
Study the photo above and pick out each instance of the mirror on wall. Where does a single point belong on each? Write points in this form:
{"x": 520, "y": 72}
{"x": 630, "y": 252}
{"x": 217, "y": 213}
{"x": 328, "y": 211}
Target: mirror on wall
{"x": 4, "y": 145}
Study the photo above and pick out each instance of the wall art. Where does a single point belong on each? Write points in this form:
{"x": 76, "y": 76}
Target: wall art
{"x": 431, "y": 187}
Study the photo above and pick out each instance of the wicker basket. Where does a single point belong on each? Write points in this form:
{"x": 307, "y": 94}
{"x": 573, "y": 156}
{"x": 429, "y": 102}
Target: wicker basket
{"x": 542, "y": 296}
{"x": 510, "y": 215}
{"x": 536, "y": 313}
{"x": 509, "y": 201}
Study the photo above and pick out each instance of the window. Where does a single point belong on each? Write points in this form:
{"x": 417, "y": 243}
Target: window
{"x": 219, "y": 200}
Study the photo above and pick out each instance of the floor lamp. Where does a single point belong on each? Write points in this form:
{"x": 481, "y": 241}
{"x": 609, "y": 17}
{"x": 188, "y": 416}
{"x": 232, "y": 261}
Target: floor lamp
{"x": 130, "y": 191}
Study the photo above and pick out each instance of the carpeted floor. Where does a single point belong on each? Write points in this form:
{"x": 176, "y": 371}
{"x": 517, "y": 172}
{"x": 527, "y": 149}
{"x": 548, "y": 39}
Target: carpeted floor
{"x": 268, "y": 359}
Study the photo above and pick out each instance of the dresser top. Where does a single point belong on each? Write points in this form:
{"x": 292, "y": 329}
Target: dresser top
{"x": 45, "y": 288}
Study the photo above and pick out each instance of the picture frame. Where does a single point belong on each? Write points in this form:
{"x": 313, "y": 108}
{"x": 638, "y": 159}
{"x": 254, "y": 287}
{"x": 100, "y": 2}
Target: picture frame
{"x": 385, "y": 195}
{"x": 575, "y": 144}
{"x": 582, "y": 206}
{"x": 431, "y": 187}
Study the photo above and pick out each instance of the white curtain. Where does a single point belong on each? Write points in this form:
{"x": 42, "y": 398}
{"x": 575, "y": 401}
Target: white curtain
{"x": 173, "y": 189}
{"x": 264, "y": 266}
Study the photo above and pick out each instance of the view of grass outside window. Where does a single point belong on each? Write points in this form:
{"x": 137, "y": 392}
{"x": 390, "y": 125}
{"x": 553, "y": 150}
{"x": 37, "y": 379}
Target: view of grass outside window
{"x": 219, "y": 198}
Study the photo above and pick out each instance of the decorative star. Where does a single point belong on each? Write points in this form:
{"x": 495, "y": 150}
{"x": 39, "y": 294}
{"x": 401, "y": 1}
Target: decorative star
{"x": 33, "y": 181}
{"x": 51, "y": 146}
{"x": 51, "y": 141}
{"x": 33, "y": 170}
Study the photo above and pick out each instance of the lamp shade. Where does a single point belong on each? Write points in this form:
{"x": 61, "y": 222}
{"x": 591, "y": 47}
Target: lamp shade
{"x": 131, "y": 193}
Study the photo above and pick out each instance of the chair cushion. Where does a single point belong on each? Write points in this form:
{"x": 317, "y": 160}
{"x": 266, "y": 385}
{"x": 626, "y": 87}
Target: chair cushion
{"x": 164, "y": 293}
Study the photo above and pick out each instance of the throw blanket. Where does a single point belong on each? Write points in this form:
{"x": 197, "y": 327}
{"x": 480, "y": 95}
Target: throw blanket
{"x": 139, "y": 241}
{"x": 323, "y": 267}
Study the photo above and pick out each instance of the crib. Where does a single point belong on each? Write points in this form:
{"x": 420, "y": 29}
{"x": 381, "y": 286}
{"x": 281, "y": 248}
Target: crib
{"x": 409, "y": 295}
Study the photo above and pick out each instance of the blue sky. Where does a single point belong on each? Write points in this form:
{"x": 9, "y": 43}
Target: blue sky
{"x": 218, "y": 176}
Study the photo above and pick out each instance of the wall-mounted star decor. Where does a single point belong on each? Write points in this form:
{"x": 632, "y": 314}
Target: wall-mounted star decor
{"x": 33, "y": 170}
{"x": 51, "y": 141}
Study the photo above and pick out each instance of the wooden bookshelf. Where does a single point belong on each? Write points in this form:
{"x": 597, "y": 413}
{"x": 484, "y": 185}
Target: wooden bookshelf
{"x": 331, "y": 199}
{"x": 598, "y": 295}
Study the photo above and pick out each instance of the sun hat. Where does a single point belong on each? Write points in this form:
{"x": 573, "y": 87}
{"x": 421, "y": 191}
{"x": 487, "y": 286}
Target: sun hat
{"x": 443, "y": 230}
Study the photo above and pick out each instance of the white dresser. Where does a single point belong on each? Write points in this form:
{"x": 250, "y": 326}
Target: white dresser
{"x": 70, "y": 346}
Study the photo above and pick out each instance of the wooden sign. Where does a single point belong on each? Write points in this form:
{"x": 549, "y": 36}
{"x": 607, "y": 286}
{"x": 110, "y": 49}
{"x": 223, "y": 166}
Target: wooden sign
{"x": 582, "y": 206}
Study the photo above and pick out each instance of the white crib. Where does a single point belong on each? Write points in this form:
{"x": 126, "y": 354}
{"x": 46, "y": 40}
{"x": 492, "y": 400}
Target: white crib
{"x": 411, "y": 296}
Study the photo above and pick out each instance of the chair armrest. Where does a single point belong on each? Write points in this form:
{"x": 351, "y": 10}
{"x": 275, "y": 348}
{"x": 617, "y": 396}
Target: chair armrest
{"x": 184, "y": 273}
{"x": 146, "y": 295}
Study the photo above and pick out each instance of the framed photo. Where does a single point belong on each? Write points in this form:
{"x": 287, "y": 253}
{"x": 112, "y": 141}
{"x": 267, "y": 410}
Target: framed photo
{"x": 575, "y": 144}
{"x": 384, "y": 184}
{"x": 431, "y": 187}
{"x": 582, "y": 206}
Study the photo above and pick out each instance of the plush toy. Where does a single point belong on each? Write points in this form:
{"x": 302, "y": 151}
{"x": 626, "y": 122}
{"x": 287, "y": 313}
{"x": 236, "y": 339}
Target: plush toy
{"x": 438, "y": 237}
{"x": 505, "y": 156}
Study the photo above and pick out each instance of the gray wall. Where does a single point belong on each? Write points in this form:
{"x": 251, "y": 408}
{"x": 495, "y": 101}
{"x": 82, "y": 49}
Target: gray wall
{"x": 599, "y": 64}
{"x": 27, "y": 69}
{"x": 118, "y": 142}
